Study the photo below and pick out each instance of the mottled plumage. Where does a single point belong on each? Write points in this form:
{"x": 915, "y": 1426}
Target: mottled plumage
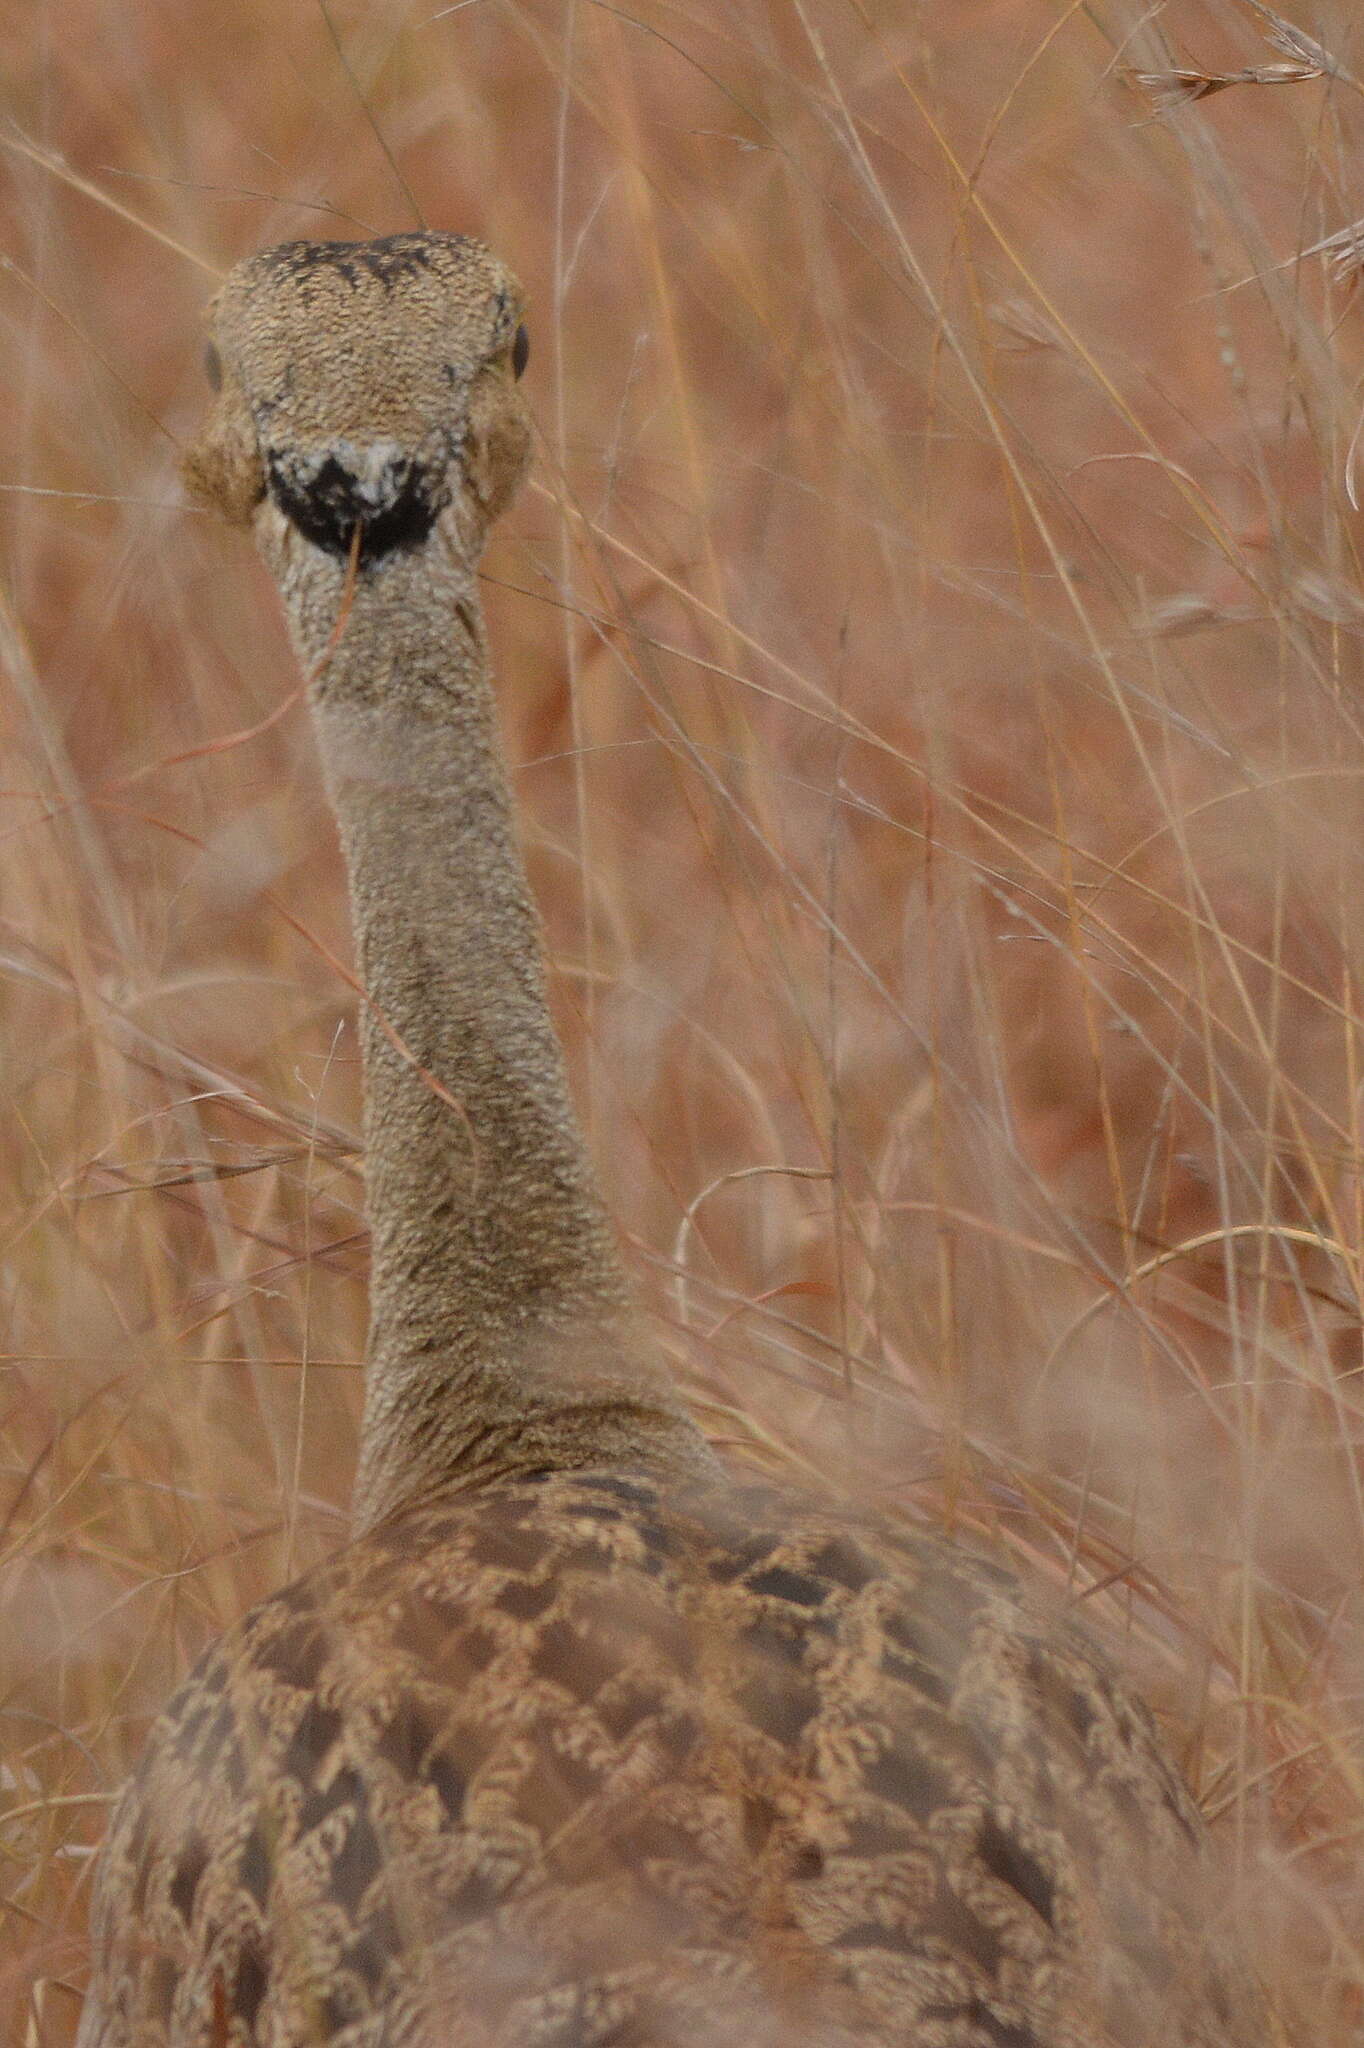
{"x": 577, "y": 1761}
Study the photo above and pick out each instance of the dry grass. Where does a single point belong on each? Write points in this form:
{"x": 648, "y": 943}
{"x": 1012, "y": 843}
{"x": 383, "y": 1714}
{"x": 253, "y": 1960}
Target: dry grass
{"x": 933, "y": 662}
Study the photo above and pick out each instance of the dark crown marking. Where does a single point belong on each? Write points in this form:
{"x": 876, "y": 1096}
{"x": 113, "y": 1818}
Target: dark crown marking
{"x": 388, "y": 259}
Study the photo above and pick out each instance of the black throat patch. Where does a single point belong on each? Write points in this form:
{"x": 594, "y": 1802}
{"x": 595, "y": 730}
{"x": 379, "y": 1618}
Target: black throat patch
{"x": 326, "y": 501}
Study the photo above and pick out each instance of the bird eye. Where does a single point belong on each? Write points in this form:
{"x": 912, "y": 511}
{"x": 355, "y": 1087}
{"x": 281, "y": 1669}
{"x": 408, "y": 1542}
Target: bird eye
{"x": 520, "y": 354}
{"x": 213, "y": 366}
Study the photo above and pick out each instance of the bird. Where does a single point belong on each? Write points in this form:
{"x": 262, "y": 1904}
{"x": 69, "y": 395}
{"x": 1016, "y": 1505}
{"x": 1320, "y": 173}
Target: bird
{"x": 582, "y": 1740}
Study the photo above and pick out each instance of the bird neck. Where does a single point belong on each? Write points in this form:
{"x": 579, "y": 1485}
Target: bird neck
{"x": 502, "y": 1333}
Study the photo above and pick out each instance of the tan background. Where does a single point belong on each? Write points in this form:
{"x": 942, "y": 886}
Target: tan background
{"x": 931, "y": 656}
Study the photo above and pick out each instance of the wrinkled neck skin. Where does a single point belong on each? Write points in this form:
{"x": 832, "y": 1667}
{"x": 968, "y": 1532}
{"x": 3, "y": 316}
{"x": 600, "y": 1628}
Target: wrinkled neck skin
{"x": 502, "y": 1333}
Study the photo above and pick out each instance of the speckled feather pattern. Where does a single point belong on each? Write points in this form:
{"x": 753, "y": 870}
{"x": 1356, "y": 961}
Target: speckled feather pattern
{"x": 580, "y": 1744}
{"x": 576, "y": 1762}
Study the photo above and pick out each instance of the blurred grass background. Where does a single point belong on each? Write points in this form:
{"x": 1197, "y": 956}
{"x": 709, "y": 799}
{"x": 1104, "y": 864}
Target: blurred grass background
{"x": 931, "y": 659}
